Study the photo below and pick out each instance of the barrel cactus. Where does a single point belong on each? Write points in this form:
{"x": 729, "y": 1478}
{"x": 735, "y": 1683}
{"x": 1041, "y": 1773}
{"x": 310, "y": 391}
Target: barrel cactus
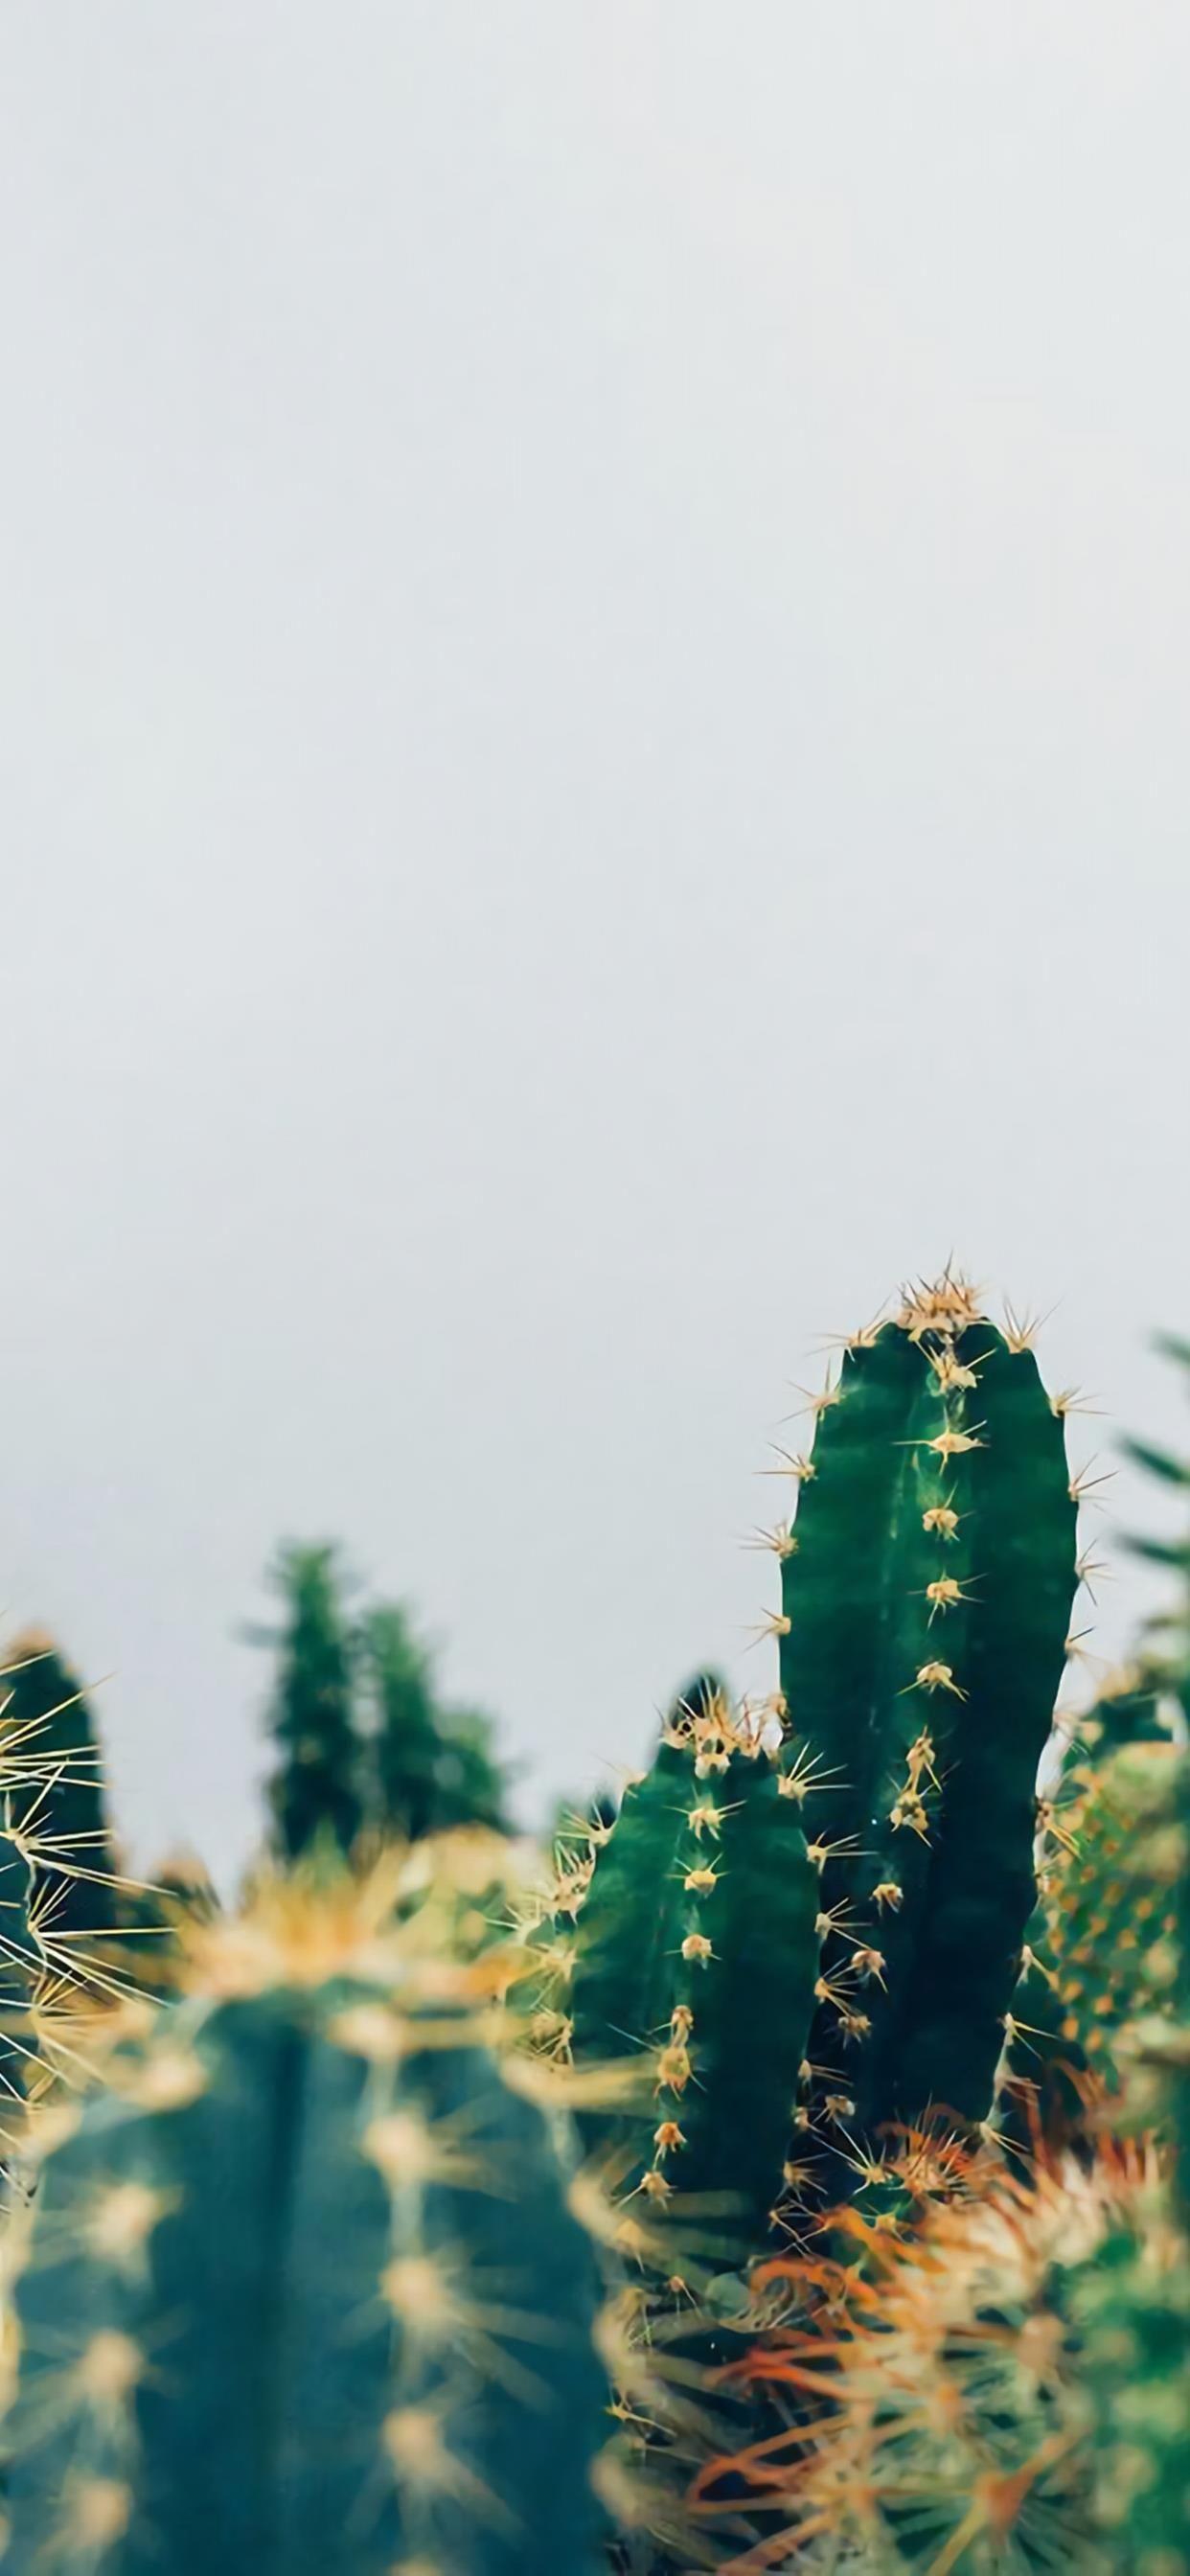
{"x": 304, "y": 2292}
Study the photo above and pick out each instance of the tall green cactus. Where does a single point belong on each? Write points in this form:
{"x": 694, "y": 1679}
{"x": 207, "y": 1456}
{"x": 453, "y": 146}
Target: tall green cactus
{"x": 926, "y": 1595}
{"x": 927, "y": 1584}
{"x": 304, "y": 2293}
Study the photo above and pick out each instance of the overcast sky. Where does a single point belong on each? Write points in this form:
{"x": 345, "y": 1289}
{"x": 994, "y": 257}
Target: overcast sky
{"x": 593, "y": 767}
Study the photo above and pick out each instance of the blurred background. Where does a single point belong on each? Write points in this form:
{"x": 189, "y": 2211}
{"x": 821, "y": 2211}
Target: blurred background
{"x": 593, "y": 617}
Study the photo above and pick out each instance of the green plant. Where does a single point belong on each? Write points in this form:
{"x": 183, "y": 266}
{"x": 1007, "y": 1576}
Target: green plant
{"x": 1096, "y": 1936}
{"x": 431, "y": 1768}
{"x": 304, "y": 2293}
{"x": 700, "y": 1925}
{"x": 316, "y": 1792}
{"x": 930, "y": 2404}
{"x": 47, "y": 1709}
{"x": 858, "y": 1982}
{"x": 54, "y": 1971}
{"x": 927, "y": 1586}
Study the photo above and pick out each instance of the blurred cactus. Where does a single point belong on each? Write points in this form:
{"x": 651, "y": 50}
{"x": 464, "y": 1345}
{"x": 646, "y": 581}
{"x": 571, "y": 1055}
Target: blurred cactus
{"x": 368, "y": 1753}
{"x": 316, "y": 1790}
{"x": 150, "y": 1950}
{"x": 57, "y": 1896}
{"x": 1096, "y": 1937}
{"x": 1130, "y": 2305}
{"x": 430, "y": 1767}
{"x": 304, "y": 2293}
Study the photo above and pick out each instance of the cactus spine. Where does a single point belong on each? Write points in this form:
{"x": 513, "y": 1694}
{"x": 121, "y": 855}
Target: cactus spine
{"x": 304, "y": 2293}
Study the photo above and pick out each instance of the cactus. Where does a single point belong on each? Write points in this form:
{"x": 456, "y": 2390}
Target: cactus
{"x": 431, "y": 1768}
{"x": 935, "y": 2414}
{"x": 927, "y": 1586}
{"x": 1131, "y": 2304}
{"x": 1096, "y": 1937}
{"x": 46, "y": 1706}
{"x": 304, "y": 2293}
{"x": 697, "y": 1953}
{"x": 1131, "y": 2309}
{"x": 697, "y": 1950}
{"x": 52, "y": 1969}
{"x": 316, "y": 1791}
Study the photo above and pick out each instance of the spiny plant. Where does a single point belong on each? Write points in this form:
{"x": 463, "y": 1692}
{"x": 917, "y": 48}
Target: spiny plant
{"x": 316, "y": 1790}
{"x": 304, "y": 2293}
{"x": 151, "y": 1916}
{"x": 927, "y": 1586}
{"x": 54, "y": 1973}
{"x": 430, "y": 1767}
{"x": 701, "y": 1917}
{"x": 1095, "y": 1936}
{"x": 46, "y": 1706}
{"x": 1132, "y": 2306}
{"x": 1005, "y": 2386}
{"x": 860, "y": 1980}
{"x": 935, "y": 2415}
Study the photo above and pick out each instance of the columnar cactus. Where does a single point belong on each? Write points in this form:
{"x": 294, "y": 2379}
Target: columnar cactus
{"x": 698, "y": 1946}
{"x": 304, "y": 2293}
{"x": 927, "y": 1584}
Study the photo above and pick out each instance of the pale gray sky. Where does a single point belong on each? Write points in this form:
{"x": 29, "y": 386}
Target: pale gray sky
{"x": 593, "y": 619}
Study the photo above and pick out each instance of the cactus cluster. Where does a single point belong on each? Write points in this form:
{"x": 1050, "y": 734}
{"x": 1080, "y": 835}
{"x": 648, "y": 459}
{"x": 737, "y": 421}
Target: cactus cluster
{"x": 808, "y": 1918}
{"x": 878, "y": 2059}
